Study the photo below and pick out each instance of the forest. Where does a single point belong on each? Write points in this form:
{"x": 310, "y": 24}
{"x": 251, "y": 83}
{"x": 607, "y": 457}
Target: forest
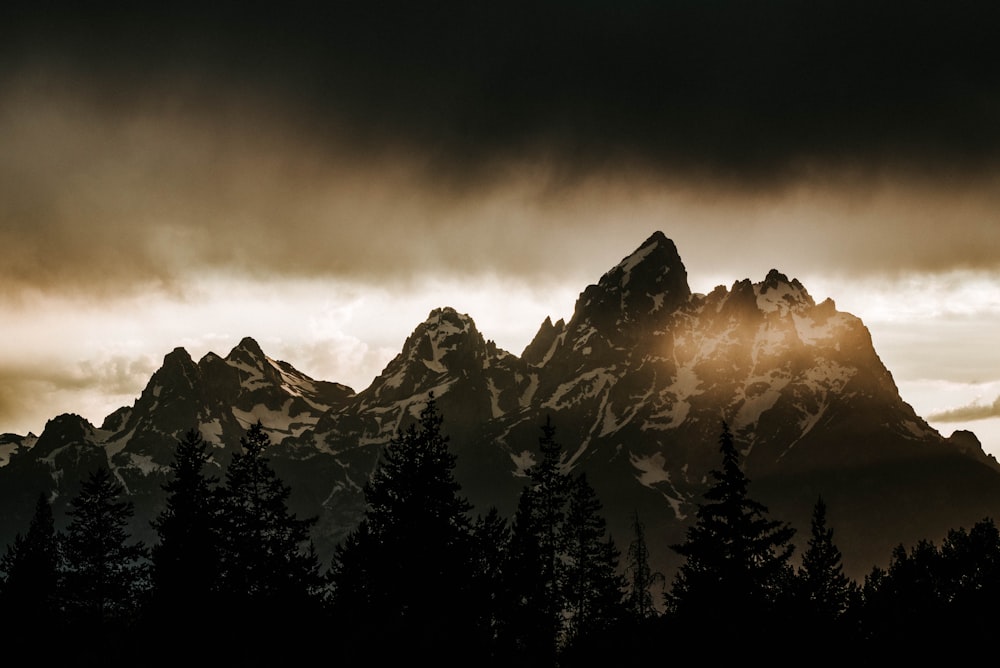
{"x": 233, "y": 576}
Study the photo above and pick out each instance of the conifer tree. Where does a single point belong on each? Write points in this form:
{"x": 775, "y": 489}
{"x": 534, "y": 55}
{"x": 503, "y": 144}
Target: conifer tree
{"x": 736, "y": 558}
{"x": 594, "y": 588}
{"x": 822, "y": 584}
{"x": 823, "y": 594}
{"x": 906, "y": 601}
{"x": 104, "y": 574}
{"x": 491, "y": 544}
{"x": 971, "y": 560}
{"x": 641, "y": 578}
{"x": 267, "y": 555}
{"x": 186, "y": 558}
{"x": 538, "y": 573}
{"x": 30, "y": 569}
{"x": 269, "y": 574}
{"x": 406, "y": 571}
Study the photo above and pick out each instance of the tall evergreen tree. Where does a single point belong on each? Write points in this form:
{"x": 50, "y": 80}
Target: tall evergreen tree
{"x": 186, "y": 558}
{"x": 269, "y": 573}
{"x": 105, "y": 575}
{"x": 267, "y": 555}
{"x": 641, "y": 578}
{"x": 28, "y": 590}
{"x": 491, "y": 544}
{"x": 537, "y": 569}
{"x": 595, "y": 589}
{"x": 406, "y": 571}
{"x": 823, "y": 594}
{"x": 822, "y": 584}
{"x": 736, "y": 558}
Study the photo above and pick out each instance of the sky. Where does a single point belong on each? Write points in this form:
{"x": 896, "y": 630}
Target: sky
{"x": 320, "y": 176}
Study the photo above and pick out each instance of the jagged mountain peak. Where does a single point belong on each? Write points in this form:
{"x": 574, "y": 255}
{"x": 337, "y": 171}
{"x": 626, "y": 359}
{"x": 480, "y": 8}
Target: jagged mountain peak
{"x": 777, "y": 293}
{"x": 655, "y": 264}
{"x": 536, "y": 351}
{"x": 447, "y": 316}
{"x": 445, "y": 335}
{"x": 177, "y": 367}
{"x": 646, "y": 285}
{"x": 247, "y": 350}
{"x": 177, "y": 356}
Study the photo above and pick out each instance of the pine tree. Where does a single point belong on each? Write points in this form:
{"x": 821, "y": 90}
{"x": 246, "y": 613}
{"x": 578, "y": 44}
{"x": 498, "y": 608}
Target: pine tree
{"x": 823, "y": 593}
{"x": 595, "y": 589}
{"x": 641, "y": 578}
{"x": 104, "y": 575}
{"x": 736, "y": 558}
{"x": 538, "y": 573}
{"x": 822, "y": 584}
{"x": 185, "y": 560}
{"x": 406, "y": 572}
{"x": 267, "y": 556}
{"x": 30, "y": 568}
{"x": 269, "y": 575}
{"x": 491, "y": 544}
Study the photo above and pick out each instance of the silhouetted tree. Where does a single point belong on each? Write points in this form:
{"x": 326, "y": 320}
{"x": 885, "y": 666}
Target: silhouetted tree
{"x": 268, "y": 565}
{"x": 28, "y": 591}
{"x": 594, "y": 588}
{"x": 537, "y": 569}
{"x": 186, "y": 558}
{"x": 491, "y": 544}
{"x": 934, "y": 594}
{"x": 736, "y": 566}
{"x": 823, "y": 593}
{"x": 905, "y": 601}
{"x": 406, "y": 572}
{"x": 640, "y": 577}
{"x": 104, "y": 574}
{"x": 971, "y": 562}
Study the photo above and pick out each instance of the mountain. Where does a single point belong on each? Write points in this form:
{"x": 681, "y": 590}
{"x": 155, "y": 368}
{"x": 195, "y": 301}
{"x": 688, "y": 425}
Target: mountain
{"x": 637, "y": 384}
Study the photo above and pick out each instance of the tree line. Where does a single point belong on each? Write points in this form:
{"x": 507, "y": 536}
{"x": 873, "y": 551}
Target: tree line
{"x": 233, "y": 575}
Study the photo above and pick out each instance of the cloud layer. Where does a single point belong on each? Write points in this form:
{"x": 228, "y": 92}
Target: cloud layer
{"x": 971, "y": 412}
{"x": 385, "y": 140}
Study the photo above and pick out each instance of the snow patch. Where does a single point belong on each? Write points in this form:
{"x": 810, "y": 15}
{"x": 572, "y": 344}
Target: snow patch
{"x": 275, "y": 421}
{"x": 633, "y": 261}
{"x": 522, "y": 462}
{"x": 585, "y": 386}
{"x": 494, "y": 398}
{"x": 435, "y": 365}
{"x": 529, "y": 392}
{"x": 145, "y": 463}
{"x": 211, "y": 431}
{"x": 652, "y": 468}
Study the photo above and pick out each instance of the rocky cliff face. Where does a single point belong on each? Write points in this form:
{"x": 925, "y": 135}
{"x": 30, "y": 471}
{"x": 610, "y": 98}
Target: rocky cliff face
{"x": 637, "y": 384}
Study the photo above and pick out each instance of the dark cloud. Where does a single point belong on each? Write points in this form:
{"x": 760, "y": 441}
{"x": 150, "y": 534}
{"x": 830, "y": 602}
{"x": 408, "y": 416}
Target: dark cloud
{"x": 745, "y": 91}
{"x": 144, "y": 146}
{"x": 973, "y": 411}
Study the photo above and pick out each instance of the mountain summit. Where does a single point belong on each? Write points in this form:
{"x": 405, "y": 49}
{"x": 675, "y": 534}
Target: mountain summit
{"x": 637, "y": 383}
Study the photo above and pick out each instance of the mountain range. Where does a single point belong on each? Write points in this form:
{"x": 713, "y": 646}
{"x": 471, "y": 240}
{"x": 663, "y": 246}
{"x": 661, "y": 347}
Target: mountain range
{"x": 637, "y": 384}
